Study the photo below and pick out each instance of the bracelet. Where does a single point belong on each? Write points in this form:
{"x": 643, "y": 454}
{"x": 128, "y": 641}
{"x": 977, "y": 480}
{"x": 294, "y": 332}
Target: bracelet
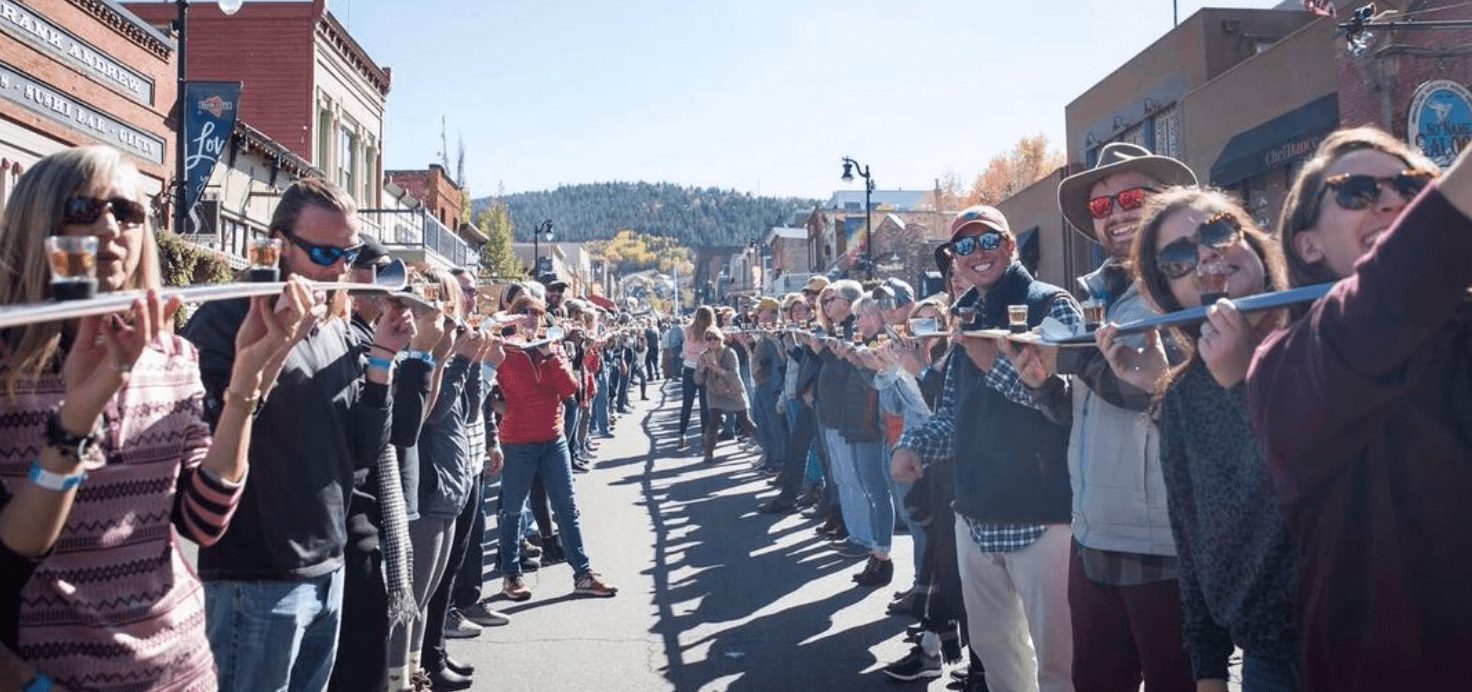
{"x": 55, "y": 481}
{"x": 391, "y": 353}
{"x": 40, "y": 683}
{"x": 380, "y": 364}
{"x": 425, "y": 356}
{"x": 251, "y": 402}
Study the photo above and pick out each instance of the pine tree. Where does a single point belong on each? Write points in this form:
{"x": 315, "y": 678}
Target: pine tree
{"x": 497, "y": 259}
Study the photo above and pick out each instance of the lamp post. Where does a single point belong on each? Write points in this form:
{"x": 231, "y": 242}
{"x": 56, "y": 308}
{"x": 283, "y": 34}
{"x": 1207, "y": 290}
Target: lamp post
{"x": 848, "y": 176}
{"x": 544, "y": 227}
{"x": 181, "y": 184}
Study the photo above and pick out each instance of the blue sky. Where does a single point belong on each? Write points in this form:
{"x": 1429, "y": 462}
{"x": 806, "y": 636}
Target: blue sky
{"x": 757, "y": 95}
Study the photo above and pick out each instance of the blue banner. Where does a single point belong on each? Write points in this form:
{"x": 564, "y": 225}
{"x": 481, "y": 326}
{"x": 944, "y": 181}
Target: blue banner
{"x": 209, "y": 120}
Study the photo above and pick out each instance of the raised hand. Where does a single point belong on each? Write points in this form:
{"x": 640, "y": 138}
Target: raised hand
{"x": 268, "y": 332}
{"x": 429, "y": 328}
{"x": 394, "y": 329}
{"x": 905, "y": 466}
{"x": 1143, "y": 367}
{"x": 1227, "y": 342}
{"x": 103, "y": 355}
{"x": 1027, "y": 361}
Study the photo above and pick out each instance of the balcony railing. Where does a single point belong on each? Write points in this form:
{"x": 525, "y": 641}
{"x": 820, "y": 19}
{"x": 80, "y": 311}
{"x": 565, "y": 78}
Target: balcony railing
{"x": 416, "y": 229}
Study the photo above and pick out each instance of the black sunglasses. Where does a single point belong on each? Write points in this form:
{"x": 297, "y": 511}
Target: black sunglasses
{"x": 1180, "y": 257}
{"x": 989, "y": 241}
{"x": 1355, "y": 191}
{"x": 87, "y": 210}
{"x": 325, "y": 255}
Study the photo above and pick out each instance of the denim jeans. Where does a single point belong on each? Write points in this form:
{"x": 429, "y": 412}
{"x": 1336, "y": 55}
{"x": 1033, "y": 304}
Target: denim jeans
{"x": 551, "y": 460}
{"x": 274, "y": 636}
{"x": 1260, "y": 674}
{"x": 600, "y": 405}
{"x": 852, "y": 501}
{"x": 898, "y": 490}
{"x": 689, "y": 394}
{"x": 872, "y": 471}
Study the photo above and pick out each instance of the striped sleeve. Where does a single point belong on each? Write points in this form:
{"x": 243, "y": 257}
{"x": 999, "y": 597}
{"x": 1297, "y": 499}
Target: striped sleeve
{"x": 204, "y": 502}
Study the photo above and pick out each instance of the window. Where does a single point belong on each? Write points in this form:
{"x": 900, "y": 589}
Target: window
{"x": 1167, "y": 126}
{"x": 370, "y": 173}
{"x": 324, "y": 140}
{"x": 347, "y": 160}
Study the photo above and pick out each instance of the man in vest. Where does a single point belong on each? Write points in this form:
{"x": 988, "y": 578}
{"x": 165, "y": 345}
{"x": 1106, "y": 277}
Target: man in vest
{"x": 1122, "y": 589}
{"x": 1011, "y": 451}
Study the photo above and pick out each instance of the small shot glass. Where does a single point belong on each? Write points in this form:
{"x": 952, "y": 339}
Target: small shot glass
{"x": 73, "y": 262}
{"x": 1211, "y": 281}
{"x": 1093, "y": 313}
{"x": 265, "y": 259}
{"x": 1017, "y": 318}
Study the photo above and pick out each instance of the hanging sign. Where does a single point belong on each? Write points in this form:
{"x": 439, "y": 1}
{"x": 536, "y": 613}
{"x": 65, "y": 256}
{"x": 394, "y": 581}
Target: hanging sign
{"x": 1440, "y": 120}
{"x": 209, "y": 120}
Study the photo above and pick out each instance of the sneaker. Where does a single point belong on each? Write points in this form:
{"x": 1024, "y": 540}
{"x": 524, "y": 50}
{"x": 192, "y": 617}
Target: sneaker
{"x": 484, "y": 616}
{"x": 420, "y": 682}
{"x": 915, "y": 666}
{"x": 457, "y": 627}
{"x": 960, "y": 674}
{"x": 530, "y": 550}
{"x": 553, "y": 551}
{"x": 776, "y": 507}
{"x": 592, "y": 584}
{"x": 530, "y": 564}
{"x": 514, "y": 589}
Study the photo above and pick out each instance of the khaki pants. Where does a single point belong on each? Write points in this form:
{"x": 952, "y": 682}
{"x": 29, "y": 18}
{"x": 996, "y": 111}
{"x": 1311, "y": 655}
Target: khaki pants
{"x": 1017, "y": 611}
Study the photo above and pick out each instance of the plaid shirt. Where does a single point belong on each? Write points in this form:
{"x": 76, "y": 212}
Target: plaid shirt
{"x": 934, "y": 440}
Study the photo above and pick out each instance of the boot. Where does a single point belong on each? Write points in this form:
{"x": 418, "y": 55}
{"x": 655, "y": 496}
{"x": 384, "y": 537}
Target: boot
{"x": 877, "y": 573}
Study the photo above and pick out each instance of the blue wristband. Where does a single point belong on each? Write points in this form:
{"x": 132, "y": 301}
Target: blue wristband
{"x": 380, "y": 363}
{"x": 425, "y": 356}
{"x": 55, "y": 481}
{"x": 40, "y": 683}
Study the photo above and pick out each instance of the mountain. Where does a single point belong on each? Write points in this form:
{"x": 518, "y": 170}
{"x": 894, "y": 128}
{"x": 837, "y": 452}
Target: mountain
{"x": 692, "y": 216}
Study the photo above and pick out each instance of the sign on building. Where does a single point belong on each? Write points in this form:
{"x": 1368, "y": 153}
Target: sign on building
{"x": 1440, "y": 120}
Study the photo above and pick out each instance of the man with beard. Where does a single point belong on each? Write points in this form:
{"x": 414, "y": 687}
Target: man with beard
{"x": 1122, "y": 590}
{"x": 1011, "y": 465}
{"x": 555, "y": 288}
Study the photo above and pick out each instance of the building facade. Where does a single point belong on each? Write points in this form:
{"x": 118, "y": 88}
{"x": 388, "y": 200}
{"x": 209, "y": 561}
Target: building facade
{"x": 81, "y": 72}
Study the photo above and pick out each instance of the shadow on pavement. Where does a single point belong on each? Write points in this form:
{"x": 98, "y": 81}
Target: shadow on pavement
{"x": 717, "y": 565}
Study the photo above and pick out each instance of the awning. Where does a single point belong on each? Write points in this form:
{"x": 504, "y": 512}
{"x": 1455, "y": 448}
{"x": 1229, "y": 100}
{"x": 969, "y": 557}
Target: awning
{"x": 1290, "y": 136}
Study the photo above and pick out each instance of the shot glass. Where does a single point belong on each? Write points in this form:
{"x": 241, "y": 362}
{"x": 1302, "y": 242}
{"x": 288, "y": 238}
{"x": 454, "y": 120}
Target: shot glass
{"x": 1017, "y": 318}
{"x": 73, "y": 261}
{"x": 1093, "y": 314}
{"x": 923, "y": 325}
{"x": 265, "y": 259}
{"x": 1211, "y": 282}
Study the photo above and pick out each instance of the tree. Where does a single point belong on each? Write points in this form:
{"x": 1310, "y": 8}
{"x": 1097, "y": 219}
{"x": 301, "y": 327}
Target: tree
{"x": 496, "y": 258}
{"x": 1006, "y": 174}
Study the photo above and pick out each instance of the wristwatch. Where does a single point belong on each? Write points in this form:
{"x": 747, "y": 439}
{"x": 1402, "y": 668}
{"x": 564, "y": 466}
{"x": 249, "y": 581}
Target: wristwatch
{"x": 57, "y": 437}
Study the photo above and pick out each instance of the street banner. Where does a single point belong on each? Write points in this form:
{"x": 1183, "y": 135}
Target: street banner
{"x": 209, "y": 119}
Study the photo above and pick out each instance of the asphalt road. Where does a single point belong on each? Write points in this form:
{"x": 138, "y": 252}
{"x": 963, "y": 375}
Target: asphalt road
{"x": 713, "y": 596}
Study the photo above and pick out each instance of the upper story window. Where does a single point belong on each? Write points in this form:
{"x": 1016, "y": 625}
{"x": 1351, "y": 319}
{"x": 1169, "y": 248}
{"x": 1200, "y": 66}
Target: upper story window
{"x": 347, "y": 159}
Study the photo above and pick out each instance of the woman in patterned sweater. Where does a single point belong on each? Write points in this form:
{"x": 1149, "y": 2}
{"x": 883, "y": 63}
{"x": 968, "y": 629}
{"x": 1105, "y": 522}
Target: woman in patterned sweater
{"x": 1238, "y": 567}
{"x": 101, "y": 597}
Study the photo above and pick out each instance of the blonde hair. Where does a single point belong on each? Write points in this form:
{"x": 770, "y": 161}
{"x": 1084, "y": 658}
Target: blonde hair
{"x": 35, "y": 211}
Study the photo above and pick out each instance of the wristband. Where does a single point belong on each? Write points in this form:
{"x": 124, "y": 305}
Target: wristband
{"x": 385, "y": 349}
{"x": 425, "y": 356}
{"x": 55, "y": 481}
{"x": 380, "y": 364}
{"x": 40, "y": 683}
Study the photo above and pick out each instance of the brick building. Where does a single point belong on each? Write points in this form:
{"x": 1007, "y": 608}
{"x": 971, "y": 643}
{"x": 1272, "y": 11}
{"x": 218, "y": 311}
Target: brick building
{"x": 78, "y": 72}
{"x": 442, "y": 197}
{"x": 308, "y": 85}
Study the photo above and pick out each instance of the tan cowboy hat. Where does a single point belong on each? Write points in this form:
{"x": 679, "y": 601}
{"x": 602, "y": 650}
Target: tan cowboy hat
{"x": 1115, "y": 157}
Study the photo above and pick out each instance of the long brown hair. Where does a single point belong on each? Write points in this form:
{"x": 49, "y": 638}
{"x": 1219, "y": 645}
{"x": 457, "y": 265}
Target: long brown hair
{"x": 1155, "y": 286}
{"x": 1305, "y": 198}
{"x": 705, "y": 318}
{"x": 34, "y": 212}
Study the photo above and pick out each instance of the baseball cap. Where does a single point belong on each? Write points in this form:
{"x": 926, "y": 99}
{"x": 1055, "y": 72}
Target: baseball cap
{"x": 990, "y": 217}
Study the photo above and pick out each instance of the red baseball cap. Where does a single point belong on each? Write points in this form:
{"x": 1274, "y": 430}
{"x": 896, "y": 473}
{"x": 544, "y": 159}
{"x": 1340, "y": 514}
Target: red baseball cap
{"x": 990, "y": 217}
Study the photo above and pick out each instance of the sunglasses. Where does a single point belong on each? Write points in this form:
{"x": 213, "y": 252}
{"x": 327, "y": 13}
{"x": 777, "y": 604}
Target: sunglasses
{"x": 1180, "y": 257}
{"x": 1355, "y": 192}
{"x": 87, "y": 210}
{"x": 989, "y": 241}
{"x": 325, "y": 255}
{"x": 1133, "y": 198}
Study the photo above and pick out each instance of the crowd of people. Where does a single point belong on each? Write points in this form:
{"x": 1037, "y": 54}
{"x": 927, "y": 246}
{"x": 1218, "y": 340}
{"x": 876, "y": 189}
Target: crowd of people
{"x": 1287, "y": 483}
{"x": 1284, "y": 483}
{"x": 328, "y": 453}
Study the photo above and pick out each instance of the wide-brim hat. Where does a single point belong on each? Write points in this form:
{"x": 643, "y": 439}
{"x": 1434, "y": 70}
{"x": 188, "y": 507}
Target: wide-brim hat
{"x": 1115, "y": 158}
{"x": 552, "y": 281}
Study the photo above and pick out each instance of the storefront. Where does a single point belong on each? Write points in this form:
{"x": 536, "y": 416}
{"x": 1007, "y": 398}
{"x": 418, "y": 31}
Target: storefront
{"x": 78, "y": 74}
{"x": 1261, "y": 164}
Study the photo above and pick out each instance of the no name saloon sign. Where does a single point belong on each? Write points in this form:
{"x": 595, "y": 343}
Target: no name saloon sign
{"x": 1440, "y": 120}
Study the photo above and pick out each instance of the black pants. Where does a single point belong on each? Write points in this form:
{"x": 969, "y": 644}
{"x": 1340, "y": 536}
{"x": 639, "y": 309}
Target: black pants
{"x": 713, "y": 428}
{"x": 799, "y": 441}
{"x": 362, "y": 646}
{"x": 651, "y": 364}
{"x": 433, "y": 655}
{"x": 689, "y": 392}
{"x": 472, "y": 572}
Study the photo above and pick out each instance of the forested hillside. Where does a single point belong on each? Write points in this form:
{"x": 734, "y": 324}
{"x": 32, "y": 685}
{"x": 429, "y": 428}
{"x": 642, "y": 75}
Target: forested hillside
{"x": 692, "y": 216}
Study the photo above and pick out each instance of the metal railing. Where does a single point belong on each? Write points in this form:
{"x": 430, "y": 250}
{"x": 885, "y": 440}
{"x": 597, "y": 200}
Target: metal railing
{"x": 416, "y": 229}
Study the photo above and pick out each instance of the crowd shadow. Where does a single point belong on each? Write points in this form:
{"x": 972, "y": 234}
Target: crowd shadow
{"x": 715, "y": 561}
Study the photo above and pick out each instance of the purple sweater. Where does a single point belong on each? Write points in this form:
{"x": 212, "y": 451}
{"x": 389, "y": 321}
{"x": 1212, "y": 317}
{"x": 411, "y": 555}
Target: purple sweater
{"x": 1364, "y": 409}
{"x": 114, "y": 606}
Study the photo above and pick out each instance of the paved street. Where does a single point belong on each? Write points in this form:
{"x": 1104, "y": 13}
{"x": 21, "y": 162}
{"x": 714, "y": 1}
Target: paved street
{"x": 713, "y": 596}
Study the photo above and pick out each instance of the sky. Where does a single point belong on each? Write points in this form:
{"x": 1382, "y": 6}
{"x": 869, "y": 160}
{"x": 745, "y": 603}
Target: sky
{"x": 761, "y": 96}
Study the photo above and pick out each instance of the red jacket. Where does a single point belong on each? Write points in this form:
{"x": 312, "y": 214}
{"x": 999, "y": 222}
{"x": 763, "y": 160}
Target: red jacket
{"x": 534, "y": 386}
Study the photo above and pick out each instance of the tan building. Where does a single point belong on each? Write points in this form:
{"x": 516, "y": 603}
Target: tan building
{"x": 1051, "y": 251}
{"x": 242, "y": 192}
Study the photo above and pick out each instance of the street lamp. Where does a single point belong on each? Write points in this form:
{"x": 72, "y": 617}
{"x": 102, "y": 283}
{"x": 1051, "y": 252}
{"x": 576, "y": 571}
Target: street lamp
{"x": 542, "y": 228}
{"x": 181, "y": 183}
{"x": 848, "y": 176}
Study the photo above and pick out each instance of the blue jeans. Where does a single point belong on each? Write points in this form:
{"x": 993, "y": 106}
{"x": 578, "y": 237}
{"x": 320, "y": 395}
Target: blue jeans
{"x": 1261, "y": 674}
{"x": 898, "y": 490}
{"x": 852, "y": 501}
{"x": 872, "y": 472}
{"x": 274, "y": 636}
{"x": 522, "y": 462}
{"x": 600, "y": 405}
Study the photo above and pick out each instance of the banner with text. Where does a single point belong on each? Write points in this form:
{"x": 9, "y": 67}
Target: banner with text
{"x": 209, "y": 120}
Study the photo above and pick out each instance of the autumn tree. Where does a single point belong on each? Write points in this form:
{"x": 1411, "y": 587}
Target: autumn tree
{"x": 1029, "y": 160}
{"x": 497, "y": 258}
